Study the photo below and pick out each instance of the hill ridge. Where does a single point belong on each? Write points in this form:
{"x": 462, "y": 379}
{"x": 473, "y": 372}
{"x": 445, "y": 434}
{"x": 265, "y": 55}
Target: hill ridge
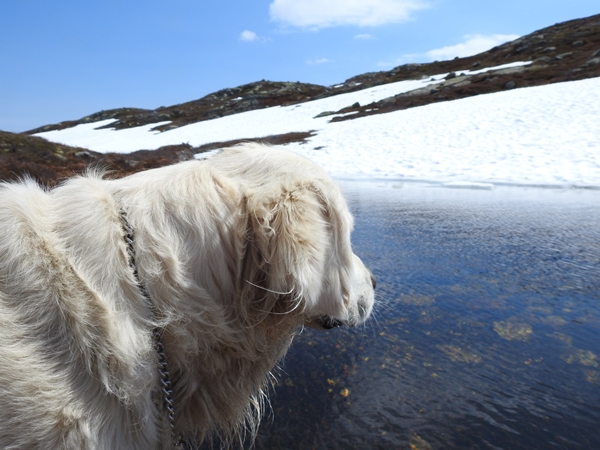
{"x": 562, "y": 52}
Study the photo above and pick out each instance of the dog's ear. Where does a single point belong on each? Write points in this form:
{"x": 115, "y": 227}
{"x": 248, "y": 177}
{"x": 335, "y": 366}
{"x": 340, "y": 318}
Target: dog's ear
{"x": 288, "y": 242}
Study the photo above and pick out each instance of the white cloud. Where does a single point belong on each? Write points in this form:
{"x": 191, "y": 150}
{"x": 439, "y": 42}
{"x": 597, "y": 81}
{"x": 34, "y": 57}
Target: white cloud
{"x": 317, "y": 14}
{"x": 473, "y": 44}
{"x": 248, "y": 36}
{"x": 317, "y": 61}
{"x": 364, "y": 37}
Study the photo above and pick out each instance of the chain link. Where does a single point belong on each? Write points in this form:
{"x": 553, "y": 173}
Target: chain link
{"x": 166, "y": 387}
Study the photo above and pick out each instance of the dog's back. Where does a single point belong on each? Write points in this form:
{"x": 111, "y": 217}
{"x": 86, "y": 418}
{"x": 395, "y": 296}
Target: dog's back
{"x": 53, "y": 334}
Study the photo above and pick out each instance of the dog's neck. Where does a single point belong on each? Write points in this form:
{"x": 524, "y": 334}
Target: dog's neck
{"x": 165, "y": 387}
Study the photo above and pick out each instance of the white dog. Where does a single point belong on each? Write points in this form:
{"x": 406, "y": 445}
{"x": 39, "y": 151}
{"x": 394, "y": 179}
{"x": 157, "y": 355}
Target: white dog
{"x": 227, "y": 258}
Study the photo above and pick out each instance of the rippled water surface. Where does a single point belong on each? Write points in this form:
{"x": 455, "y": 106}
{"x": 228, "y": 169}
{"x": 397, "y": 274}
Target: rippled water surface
{"x": 486, "y": 334}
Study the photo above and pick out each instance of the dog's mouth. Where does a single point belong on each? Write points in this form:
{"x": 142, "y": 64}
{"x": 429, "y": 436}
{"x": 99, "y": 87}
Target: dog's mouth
{"x": 327, "y": 322}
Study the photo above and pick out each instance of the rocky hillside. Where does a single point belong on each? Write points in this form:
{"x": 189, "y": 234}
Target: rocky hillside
{"x": 563, "y": 52}
{"x": 258, "y": 95}
{"x": 22, "y": 155}
{"x": 49, "y": 163}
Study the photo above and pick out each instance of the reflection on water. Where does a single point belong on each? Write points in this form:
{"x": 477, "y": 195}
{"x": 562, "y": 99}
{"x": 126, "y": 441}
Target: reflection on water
{"x": 487, "y": 332}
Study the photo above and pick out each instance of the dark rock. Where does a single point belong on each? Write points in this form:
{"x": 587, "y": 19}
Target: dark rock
{"x": 406, "y": 68}
{"x": 356, "y": 105}
{"x": 591, "y": 63}
{"x": 521, "y": 48}
{"x": 450, "y": 76}
{"x": 596, "y": 53}
{"x": 387, "y": 101}
{"x": 324, "y": 114}
{"x": 476, "y": 64}
{"x": 577, "y": 43}
{"x": 542, "y": 60}
{"x": 509, "y": 85}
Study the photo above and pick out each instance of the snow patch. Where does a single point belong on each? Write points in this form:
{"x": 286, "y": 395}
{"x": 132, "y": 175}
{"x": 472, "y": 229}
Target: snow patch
{"x": 208, "y": 154}
{"x": 539, "y": 136}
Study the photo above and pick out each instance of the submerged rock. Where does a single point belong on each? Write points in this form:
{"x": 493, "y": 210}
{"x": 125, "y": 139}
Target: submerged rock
{"x": 460, "y": 355}
{"x": 583, "y": 357}
{"x": 512, "y": 331}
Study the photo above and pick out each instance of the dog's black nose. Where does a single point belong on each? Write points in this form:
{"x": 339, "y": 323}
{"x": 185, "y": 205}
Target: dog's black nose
{"x": 373, "y": 281}
{"x": 329, "y": 322}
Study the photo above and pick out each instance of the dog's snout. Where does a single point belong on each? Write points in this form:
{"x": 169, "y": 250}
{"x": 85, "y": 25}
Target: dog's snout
{"x": 330, "y": 322}
{"x": 373, "y": 281}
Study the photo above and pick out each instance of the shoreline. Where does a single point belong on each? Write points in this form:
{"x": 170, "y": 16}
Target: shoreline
{"x": 469, "y": 185}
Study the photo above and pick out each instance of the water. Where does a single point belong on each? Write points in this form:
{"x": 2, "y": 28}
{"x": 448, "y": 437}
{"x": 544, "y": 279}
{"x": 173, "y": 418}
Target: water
{"x": 486, "y": 335}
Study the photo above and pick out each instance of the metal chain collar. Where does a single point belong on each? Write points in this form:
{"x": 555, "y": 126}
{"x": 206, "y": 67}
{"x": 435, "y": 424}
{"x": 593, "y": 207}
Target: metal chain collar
{"x": 166, "y": 387}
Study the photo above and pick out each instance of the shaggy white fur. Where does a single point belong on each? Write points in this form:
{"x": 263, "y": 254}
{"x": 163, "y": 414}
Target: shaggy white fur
{"x": 237, "y": 252}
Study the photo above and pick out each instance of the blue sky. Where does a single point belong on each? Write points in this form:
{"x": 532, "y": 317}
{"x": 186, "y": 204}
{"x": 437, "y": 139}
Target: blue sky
{"x": 65, "y": 59}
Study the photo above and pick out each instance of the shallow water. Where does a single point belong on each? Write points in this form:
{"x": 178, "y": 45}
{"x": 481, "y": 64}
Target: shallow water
{"x": 486, "y": 333}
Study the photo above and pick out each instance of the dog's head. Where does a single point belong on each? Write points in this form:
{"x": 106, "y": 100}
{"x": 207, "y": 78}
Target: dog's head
{"x": 297, "y": 254}
{"x": 265, "y": 235}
